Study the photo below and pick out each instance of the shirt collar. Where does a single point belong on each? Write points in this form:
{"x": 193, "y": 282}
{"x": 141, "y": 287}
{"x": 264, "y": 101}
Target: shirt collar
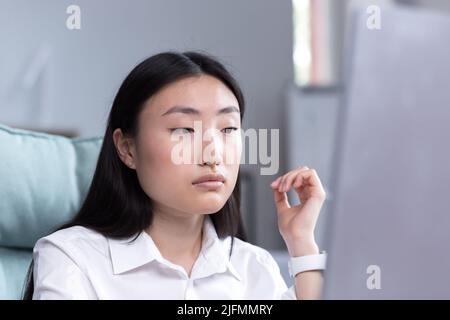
{"x": 127, "y": 254}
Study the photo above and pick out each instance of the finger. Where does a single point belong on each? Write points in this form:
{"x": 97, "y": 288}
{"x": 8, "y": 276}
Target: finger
{"x": 316, "y": 181}
{"x": 299, "y": 179}
{"x": 287, "y": 181}
{"x": 281, "y": 200}
{"x": 275, "y": 183}
{"x": 290, "y": 177}
{"x": 310, "y": 178}
{"x": 313, "y": 178}
{"x": 281, "y": 183}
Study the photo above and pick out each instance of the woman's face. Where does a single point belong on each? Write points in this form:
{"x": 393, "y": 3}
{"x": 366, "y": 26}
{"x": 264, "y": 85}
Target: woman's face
{"x": 186, "y": 131}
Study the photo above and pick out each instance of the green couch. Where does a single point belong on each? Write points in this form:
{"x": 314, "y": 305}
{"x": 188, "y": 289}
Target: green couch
{"x": 43, "y": 181}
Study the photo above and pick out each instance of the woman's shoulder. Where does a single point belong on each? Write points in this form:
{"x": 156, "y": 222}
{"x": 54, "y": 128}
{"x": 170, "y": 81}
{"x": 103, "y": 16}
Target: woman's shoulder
{"x": 246, "y": 250}
{"x": 73, "y": 238}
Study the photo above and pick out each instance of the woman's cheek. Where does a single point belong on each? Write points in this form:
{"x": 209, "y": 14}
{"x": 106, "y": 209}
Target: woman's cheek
{"x": 232, "y": 158}
{"x": 233, "y": 151}
{"x": 155, "y": 167}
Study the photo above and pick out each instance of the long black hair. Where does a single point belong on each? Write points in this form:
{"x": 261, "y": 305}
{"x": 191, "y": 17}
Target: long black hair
{"x": 115, "y": 205}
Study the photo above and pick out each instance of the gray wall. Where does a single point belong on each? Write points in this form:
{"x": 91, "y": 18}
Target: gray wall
{"x": 86, "y": 67}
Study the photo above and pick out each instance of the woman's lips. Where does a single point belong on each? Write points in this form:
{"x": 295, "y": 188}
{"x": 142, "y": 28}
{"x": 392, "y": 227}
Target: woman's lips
{"x": 211, "y": 181}
{"x": 209, "y": 185}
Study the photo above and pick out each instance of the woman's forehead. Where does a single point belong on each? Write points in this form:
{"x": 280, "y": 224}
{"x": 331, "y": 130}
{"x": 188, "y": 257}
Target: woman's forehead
{"x": 193, "y": 96}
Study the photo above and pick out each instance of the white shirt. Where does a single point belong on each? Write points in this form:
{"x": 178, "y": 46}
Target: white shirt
{"x": 79, "y": 263}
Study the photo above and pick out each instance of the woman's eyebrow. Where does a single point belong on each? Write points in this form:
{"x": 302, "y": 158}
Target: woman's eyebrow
{"x": 192, "y": 111}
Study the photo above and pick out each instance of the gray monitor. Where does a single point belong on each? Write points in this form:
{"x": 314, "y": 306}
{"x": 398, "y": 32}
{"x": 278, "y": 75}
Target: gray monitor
{"x": 388, "y": 235}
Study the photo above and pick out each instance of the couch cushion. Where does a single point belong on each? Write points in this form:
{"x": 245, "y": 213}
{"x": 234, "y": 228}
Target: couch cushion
{"x": 43, "y": 180}
{"x": 13, "y": 270}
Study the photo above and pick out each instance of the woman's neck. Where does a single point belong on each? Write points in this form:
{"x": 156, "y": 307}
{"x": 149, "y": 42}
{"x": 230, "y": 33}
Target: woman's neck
{"x": 178, "y": 237}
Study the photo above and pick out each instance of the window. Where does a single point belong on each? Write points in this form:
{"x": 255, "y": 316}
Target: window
{"x": 312, "y": 53}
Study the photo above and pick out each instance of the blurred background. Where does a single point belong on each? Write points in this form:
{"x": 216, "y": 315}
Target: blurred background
{"x": 287, "y": 56}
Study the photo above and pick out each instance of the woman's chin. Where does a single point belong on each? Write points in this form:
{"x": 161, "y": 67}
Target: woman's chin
{"x": 207, "y": 207}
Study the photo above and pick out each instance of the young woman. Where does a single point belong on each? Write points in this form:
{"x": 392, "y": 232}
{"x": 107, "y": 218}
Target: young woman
{"x": 151, "y": 228}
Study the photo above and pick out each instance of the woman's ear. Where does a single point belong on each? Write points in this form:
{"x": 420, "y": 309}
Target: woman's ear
{"x": 125, "y": 148}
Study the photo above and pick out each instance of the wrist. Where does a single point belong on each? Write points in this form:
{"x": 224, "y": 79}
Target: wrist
{"x": 314, "y": 262}
{"x": 302, "y": 247}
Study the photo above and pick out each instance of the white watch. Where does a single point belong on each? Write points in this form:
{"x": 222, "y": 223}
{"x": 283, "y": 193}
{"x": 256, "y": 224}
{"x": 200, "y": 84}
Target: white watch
{"x": 306, "y": 263}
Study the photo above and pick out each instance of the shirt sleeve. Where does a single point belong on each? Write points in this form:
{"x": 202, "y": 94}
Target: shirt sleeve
{"x": 282, "y": 292}
{"x": 56, "y": 275}
{"x": 290, "y": 294}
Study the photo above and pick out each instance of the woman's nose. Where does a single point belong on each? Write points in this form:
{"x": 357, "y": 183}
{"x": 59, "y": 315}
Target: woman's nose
{"x": 211, "y": 155}
{"x": 212, "y": 151}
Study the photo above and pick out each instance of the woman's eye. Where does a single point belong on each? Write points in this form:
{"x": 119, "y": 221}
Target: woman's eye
{"x": 182, "y": 130}
{"x": 230, "y": 129}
